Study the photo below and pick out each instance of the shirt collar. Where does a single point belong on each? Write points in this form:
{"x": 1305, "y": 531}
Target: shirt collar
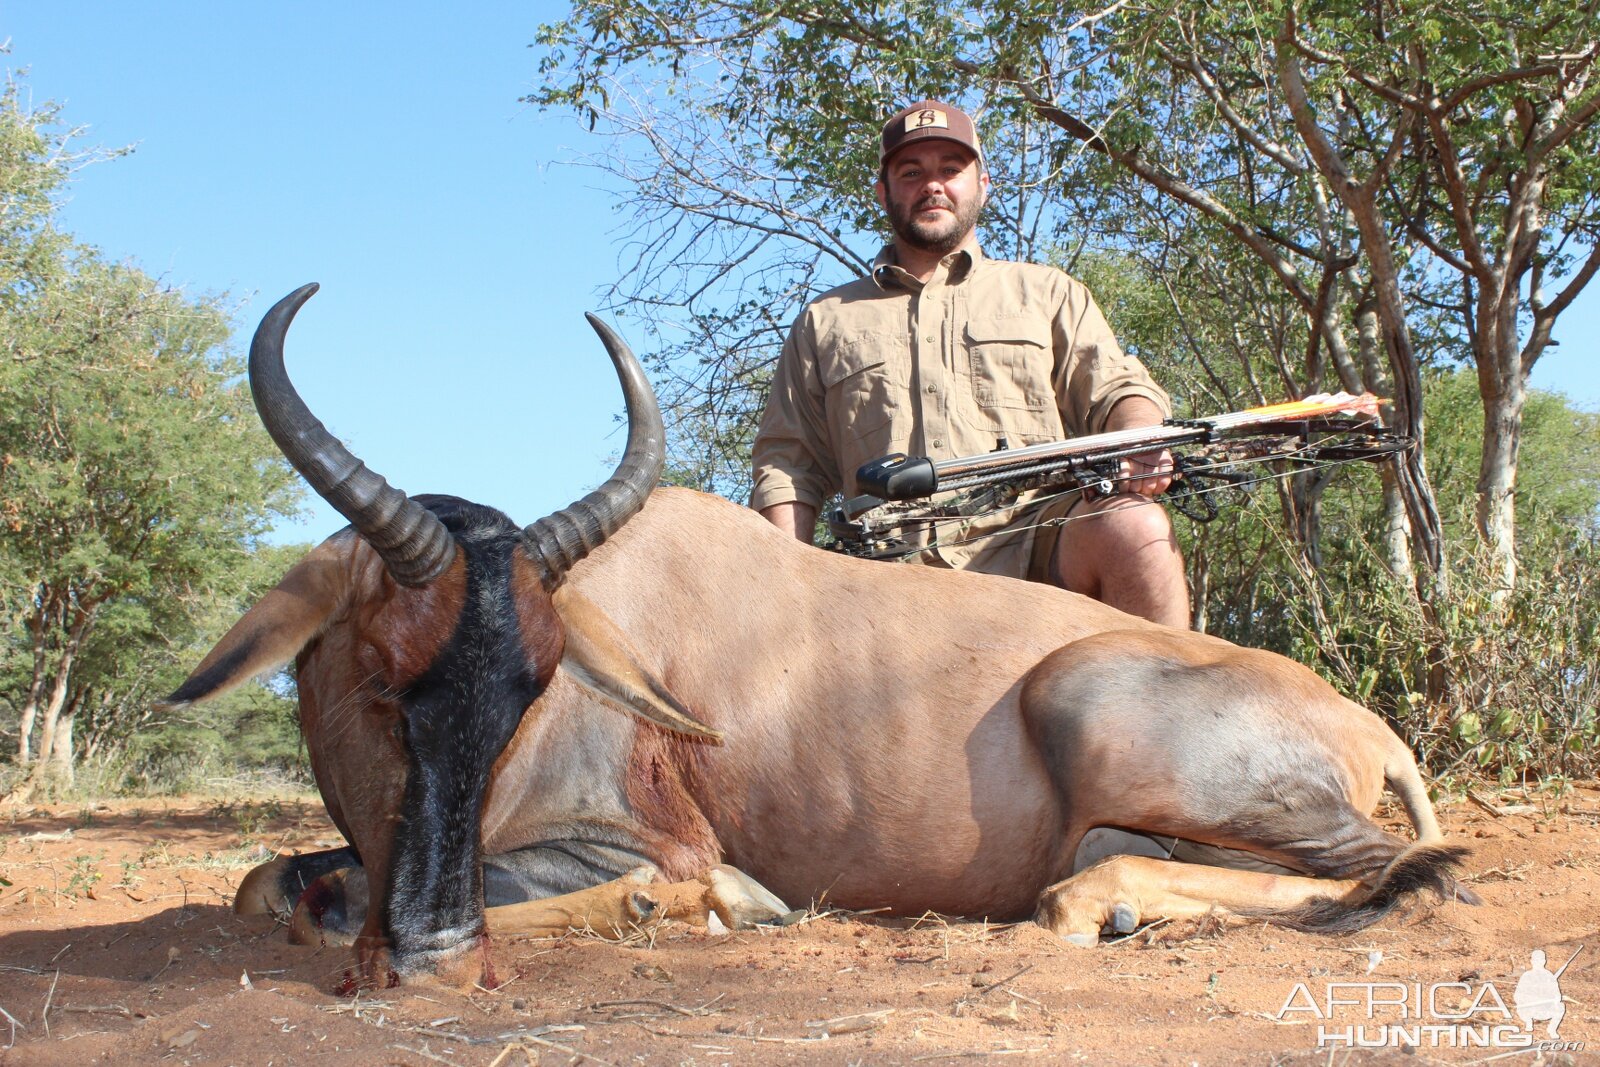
{"x": 887, "y": 274}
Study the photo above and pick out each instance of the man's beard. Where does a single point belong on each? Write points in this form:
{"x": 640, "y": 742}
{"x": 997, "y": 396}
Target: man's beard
{"x": 941, "y": 237}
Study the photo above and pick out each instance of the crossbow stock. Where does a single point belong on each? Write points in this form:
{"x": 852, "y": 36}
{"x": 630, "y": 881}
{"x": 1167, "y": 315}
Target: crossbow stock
{"x": 902, "y": 494}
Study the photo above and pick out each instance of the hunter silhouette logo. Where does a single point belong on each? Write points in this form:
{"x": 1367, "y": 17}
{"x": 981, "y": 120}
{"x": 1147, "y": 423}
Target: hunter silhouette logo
{"x": 1538, "y": 995}
{"x": 927, "y": 118}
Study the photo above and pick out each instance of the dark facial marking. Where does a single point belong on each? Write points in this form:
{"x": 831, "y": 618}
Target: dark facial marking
{"x": 458, "y": 716}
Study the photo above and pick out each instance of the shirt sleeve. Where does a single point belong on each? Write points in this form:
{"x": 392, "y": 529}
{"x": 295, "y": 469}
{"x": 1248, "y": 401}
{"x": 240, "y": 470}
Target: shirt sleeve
{"x": 793, "y": 457}
{"x": 1092, "y": 372}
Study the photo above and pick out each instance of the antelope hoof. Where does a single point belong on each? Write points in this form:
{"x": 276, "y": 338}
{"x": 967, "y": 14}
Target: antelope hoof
{"x": 739, "y": 900}
{"x": 1077, "y": 909}
{"x": 332, "y": 909}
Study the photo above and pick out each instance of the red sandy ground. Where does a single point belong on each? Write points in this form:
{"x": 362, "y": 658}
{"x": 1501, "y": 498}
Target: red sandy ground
{"x": 117, "y": 945}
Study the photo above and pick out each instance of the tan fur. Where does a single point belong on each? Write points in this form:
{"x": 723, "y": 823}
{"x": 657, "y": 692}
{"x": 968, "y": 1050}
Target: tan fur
{"x": 870, "y": 709}
{"x": 640, "y": 901}
{"x": 873, "y": 711}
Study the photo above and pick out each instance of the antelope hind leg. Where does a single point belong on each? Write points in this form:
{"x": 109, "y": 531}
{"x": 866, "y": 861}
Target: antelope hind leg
{"x": 639, "y": 900}
{"x": 1124, "y": 892}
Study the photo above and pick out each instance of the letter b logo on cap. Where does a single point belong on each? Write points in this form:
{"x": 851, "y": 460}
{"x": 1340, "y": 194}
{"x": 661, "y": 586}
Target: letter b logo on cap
{"x": 927, "y": 118}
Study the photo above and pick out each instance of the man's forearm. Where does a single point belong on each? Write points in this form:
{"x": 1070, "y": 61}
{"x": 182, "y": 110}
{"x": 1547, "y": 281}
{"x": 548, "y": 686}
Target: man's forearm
{"x": 1132, "y": 412}
{"x": 792, "y": 517}
{"x": 1149, "y": 474}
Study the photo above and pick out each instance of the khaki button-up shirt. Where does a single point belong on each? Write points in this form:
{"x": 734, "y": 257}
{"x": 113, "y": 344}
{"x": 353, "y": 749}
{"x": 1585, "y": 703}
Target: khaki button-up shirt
{"x": 987, "y": 351}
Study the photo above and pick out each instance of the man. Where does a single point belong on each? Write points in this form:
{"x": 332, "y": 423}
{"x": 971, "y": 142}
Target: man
{"x": 942, "y": 352}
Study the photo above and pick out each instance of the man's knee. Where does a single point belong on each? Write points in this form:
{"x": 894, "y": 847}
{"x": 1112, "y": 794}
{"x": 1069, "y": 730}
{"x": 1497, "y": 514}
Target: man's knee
{"x": 1129, "y": 523}
{"x": 1118, "y": 539}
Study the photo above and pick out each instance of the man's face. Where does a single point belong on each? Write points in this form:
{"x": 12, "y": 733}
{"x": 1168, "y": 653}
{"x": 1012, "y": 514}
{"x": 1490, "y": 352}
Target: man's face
{"x": 932, "y": 191}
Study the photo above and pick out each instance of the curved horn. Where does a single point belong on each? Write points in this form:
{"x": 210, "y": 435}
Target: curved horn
{"x": 414, "y": 544}
{"x": 558, "y": 541}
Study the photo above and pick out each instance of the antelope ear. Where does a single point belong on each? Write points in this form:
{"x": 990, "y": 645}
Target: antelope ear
{"x": 601, "y": 659}
{"x": 274, "y": 631}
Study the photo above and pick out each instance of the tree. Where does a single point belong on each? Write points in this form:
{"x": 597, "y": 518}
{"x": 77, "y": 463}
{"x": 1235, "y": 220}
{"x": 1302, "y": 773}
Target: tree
{"x": 134, "y": 477}
{"x": 136, "y": 657}
{"x": 135, "y": 480}
{"x": 37, "y": 157}
{"x": 1461, "y": 143}
{"x": 1368, "y": 159}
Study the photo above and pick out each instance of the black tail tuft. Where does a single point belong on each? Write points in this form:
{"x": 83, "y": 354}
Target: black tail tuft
{"x": 1420, "y": 867}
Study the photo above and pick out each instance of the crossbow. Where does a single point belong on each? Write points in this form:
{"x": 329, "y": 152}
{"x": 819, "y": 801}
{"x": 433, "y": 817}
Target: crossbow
{"x": 906, "y": 497}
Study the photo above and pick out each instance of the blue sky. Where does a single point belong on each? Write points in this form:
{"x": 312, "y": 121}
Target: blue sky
{"x": 381, "y": 150}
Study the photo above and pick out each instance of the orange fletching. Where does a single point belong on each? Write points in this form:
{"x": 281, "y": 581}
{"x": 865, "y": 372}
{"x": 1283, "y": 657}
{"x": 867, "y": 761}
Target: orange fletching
{"x": 1320, "y": 404}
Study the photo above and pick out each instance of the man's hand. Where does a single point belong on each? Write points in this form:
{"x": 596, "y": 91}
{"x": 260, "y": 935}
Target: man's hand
{"x": 1149, "y": 473}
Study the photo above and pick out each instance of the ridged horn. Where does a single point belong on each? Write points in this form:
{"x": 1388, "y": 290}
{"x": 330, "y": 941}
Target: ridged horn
{"x": 560, "y": 540}
{"x": 413, "y": 543}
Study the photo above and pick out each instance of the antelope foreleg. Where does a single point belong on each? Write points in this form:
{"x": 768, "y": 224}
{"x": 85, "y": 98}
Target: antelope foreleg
{"x": 273, "y": 887}
{"x": 1124, "y": 892}
{"x": 639, "y": 901}
{"x": 332, "y": 910}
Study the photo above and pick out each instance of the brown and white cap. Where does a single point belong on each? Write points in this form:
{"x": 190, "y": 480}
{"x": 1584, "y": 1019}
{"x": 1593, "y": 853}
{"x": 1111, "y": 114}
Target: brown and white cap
{"x": 928, "y": 120}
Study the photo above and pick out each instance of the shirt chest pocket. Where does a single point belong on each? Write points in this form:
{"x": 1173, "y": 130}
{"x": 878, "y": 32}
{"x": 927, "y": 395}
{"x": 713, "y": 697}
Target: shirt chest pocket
{"x": 866, "y": 379}
{"x": 1012, "y": 361}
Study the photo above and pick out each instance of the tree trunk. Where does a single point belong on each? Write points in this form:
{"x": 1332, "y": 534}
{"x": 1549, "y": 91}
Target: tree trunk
{"x": 1504, "y": 394}
{"x": 55, "y": 737}
{"x": 30, "y": 711}
{"x": 60, "y": 756}
{"x": 1396, "y": 531}
{"x": 1396, "y": 536}
{"x": 49, "y": 725}
{"x": 1360, "y": 199}
{"x": 30, "y": 706}
{"x": 1305, "y": 493}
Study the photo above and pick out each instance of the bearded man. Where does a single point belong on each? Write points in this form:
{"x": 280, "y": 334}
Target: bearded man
{"x": 943, "y": 352}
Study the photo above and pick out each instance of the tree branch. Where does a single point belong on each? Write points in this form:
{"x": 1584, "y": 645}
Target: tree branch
{"x": 1202, "y": 77}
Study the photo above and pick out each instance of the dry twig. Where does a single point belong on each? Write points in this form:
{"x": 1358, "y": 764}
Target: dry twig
{"x": 48, "y": 997}
{"x": 12, "y": 1019}
{"x": 693, "y": 1013}
{"x": 990, "y": 988}
{"x": 858, "y": 1023}
{"x": 567, "y": 1049}
{"x": 979, "y": 1054}
{"x": 103, "y": 1009}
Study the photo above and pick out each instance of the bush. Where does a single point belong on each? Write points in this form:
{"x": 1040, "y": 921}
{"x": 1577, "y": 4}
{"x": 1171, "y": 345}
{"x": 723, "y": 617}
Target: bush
{"x": 1477, "y": 682}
